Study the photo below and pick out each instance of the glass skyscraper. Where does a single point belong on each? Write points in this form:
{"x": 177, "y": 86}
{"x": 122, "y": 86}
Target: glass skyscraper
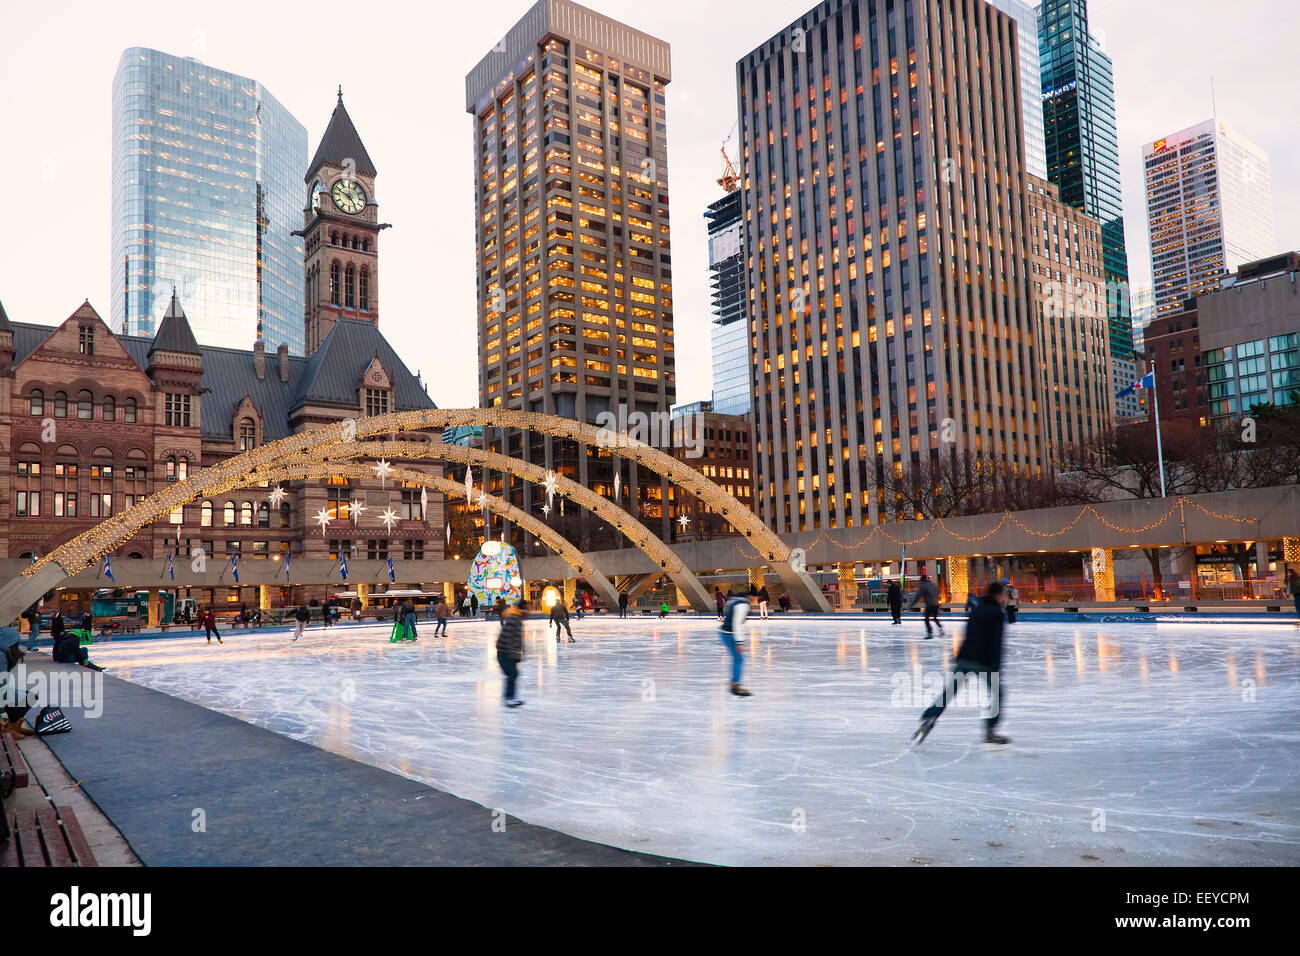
{"x": 1082, "y": 141}
{"x": 732, "y": 369}
{"x": 1026, "y": 17}
{"x": 207, "y": 190}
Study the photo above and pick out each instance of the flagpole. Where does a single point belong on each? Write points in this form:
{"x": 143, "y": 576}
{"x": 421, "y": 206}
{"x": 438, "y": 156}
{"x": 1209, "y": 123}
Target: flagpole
{"x": 1160, "y": 452}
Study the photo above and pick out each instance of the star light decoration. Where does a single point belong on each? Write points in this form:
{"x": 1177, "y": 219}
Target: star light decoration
{"x": 389, "y": 517}
{"x": 357, "y": 508}
{"x": 278, "y": 495}
{"x": 323, "y": 519}
{"x": 382, "y": 470}
{"x": 546, "y": 509}
{"x": 549, "y": 484}
{"x": 684, "y": 520}
{"x": 618, "y": 481}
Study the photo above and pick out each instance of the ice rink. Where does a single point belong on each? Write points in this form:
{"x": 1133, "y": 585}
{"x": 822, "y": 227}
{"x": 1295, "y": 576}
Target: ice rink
{"x": 1132, "y": 743}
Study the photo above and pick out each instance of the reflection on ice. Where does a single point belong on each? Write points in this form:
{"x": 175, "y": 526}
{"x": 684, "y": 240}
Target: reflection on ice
{"x": 1133, "y": 743}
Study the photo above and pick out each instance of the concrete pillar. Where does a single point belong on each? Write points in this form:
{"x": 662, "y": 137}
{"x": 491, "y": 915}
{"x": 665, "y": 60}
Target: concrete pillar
{"x": 681, "y": 597}
{"x": 1186, "y": 570}
{"x": 1103, "y": 574}
{"x": 848, "y": 584}
{"x": 958, "y": 579}
{"x": 449, "y": 593}
{"x": 155, "y": 617}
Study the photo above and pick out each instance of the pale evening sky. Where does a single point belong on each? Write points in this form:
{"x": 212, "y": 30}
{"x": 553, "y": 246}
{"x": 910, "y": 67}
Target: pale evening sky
{"x": 402, "y": 67}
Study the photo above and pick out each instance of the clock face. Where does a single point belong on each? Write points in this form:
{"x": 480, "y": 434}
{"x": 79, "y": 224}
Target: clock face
{"x": 349, "y": 196}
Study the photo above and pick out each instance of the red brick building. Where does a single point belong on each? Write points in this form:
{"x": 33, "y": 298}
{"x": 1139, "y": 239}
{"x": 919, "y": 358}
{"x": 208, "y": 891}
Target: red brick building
{"x": 722, "y": 448}
{"x": 1173, "y": 350}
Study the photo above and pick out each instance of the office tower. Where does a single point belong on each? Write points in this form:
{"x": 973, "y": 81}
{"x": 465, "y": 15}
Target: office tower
{"x": 573, "y": 269}
{"x": 886, "y": 230}
{"x": 733, "y": 389}
{"x": 207, "y": 190}
{"x": 1069, "y": 285}
{"x": 1209, "y": 209}
{"x": 1026, "y": 17}
{"x": 1080, "y": 134}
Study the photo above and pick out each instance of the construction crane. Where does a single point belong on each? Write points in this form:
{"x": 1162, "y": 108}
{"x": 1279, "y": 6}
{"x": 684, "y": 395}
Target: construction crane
{"x": 729, "y": 178}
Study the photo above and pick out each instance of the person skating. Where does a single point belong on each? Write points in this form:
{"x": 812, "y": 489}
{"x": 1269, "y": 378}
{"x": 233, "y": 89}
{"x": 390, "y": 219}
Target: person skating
{"x": 560, "y": 619}
{"x": 57, "y": 626}
{"x": 301, "y": 617}
{"x": 33, "y": 618}
{"x": 663, "y": 610}
{"x": 473, "y": 604}
{"x": 87, "y": 622}
{"x": 510, "y": 649}
{"x": 622, "y": 604}
{"x": 929, "y": 594}
{"x": 894, "y": 598}
{"x": 763, "y": 598}
{"x": 442, "y": 614}
{"x": 68, "y": 649}
{"x": 1293, "y": 589}
{"x": 733, "y": 617}
{"x": 1013, "y": 600}
{"x": 209, "y": 622}
{"x": 408, "y": 619}
{"x": 980, "y": 653}
{"x": 720, "y": 600}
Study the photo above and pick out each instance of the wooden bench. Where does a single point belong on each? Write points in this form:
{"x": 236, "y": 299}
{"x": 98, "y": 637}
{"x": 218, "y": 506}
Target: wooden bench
{"x": 13, "y": 768}
{"x": 46, "y": 836}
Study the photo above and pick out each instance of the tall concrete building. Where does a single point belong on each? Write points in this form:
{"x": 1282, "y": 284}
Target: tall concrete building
{"x": 206, "y": 194}
{"x": 573, "y": 268}
{"x": 886, "y": 224}
{"x": 1066, "y": 261}
{"x": 733, "y": 390}
{"x": 1082, "y": 139}
{"x": 1209, "y": 209}
{"x": 1026, "y": 17}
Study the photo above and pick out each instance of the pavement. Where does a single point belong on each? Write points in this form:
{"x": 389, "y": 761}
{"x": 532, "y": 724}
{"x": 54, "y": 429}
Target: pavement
{"x": 186, "y": 786}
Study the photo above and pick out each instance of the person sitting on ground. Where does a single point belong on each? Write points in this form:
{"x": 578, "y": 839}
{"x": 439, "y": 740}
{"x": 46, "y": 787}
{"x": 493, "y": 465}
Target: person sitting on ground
{"x": 68, "y": 649}
{"x": 11, "y": 655}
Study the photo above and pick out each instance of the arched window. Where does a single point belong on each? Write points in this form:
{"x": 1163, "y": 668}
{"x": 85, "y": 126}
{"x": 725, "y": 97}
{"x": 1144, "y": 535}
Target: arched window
{"x": 247, "y": 434}
{"x": 365, "y": 245}
{"x": 350, "y": 287}
{"x": 60, "y": 404}
{"x": 205, "y": 515}
{"x": 334, "y": 283}
{"x": 37, "y": 401}
{"x": 363, "y": 291}
{"x": 334, "y": 238}
{"x": 110, "y": 408}
{"x": 171, "y": 468}
{"x": 246, "y": 514}
{"x": 85, "y": 405}
{"x": 182, "y": 469}
{"x": 264, "y": 515}
{"x": 128, "y": 411}
{"x": 286, "y": 515}
{"x": 228, "y": 514}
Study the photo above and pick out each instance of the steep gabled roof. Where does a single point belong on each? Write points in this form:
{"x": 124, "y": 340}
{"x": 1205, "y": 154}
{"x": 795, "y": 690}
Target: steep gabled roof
{"x": 175, "y": 334}
{"x": 4, "y": 320}
{"x": 340, "y": 143}
{"x": 333, "y": 373}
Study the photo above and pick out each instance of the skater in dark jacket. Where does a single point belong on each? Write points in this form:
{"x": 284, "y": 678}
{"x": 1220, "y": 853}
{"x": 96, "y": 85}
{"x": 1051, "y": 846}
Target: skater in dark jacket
{"x": 622, "y": 604}
{"x": 980, "y": 653}
{"x": 733, "y": 617}
{"x": 720, "y": 600}
{"x": 927, "y": 592}
{"x": 560, "y": 619}
{"x": 68, "y": 650}
{"x": 894, "y": 597}
{"x": 510, "y": 648}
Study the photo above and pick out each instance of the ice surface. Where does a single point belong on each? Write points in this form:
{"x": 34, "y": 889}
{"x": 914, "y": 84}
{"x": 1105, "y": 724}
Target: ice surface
{"x": 1133, "y": 743}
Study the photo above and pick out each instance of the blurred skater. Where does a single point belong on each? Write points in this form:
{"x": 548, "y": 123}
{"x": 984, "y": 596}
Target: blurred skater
{"x": 301, "y": 617}
{"x": 510, "y": 649}
{"x": 1013, "y": 601}
{"x": 560, "y": 619}
{"x": 733, "y": 616}
{"x": 441, "y": 613}
{"x": 929, "y": 594}
{"x": 980, "y": 653}
{"x": 894, "y": 598}
{"x": 720, "y": 600}
{"x": 763, "y": 598}
{"x": 622, "y": 604}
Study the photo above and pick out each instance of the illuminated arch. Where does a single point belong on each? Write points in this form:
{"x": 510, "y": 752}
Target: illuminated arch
{"x": 641, "y": 537}
{"x": 232, "y": 473}
{"x": 584, "y": 566}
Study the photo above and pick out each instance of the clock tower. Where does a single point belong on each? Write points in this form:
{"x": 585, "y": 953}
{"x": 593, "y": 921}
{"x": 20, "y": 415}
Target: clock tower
{"x": 340, "y": 232}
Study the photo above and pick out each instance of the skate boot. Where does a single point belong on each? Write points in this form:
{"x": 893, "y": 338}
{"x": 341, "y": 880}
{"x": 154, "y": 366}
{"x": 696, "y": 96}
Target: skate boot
{"x": 739, "y": 691}
{"x": 927, "y": 725}
{"x": 994, "y": 738}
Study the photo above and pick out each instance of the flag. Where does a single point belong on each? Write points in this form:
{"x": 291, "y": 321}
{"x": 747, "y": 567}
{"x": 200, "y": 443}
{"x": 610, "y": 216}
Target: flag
{"x": 343, "y": 565}
{"x": 234, "y": 566}
{"x": 171, "y": 568}
{"x": 1146, "y": 381}
{"x": 392, "y": 575}
{"x": 287, "y": 579}
{"x": 108, "y": 570}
